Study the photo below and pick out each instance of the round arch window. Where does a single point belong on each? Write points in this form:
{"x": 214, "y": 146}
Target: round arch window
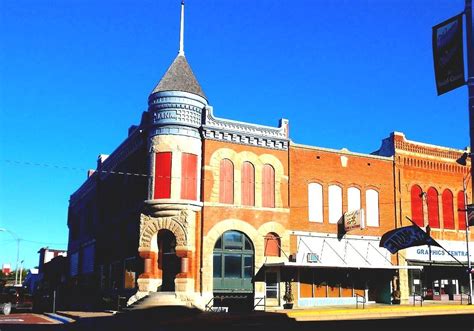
{"x": 233, "y": 265}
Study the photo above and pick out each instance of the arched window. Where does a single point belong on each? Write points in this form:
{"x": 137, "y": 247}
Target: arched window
{"x": 233, "y": 263}
{"x": 417, "y": 205}
{"x": 433, "y": 209}
{"x": 248, "y": 184}
{"x": 372, "y": 206}
{"x": 268, "y": 187}
{"x": 226, "y": 181}
{"x": 353, "y": 199}
{"x": 272, "y": 244}
{"x": 448, "y": 213}
{"x": 461, "y": 212}
{"x": 315, "y": 202}
{"x": 335, "y": 203}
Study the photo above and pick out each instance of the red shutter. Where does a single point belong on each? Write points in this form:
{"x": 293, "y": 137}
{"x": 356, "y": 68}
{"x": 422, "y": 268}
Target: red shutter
{"x": 461, "y": 212}
{"x": 248, "y": 184}
{"x": 268, "y": 187}
{"x": 417, "y": 205}
{"x": 272, "y": 245}
{"x": 189, "y": 176}
{"x": 433, "y": 209}
{"x": 448, "y": 214}
{"x": 162, "y": 175}
{"x": 226, "y": 181}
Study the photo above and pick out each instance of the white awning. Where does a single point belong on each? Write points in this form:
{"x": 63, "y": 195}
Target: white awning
{"x": 319, "y": 265}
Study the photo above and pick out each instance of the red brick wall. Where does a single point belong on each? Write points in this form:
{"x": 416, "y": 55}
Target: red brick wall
{"x": 429, "y": 166}
{"x": 253, "y": 215}
{"x": 324, "y": 167}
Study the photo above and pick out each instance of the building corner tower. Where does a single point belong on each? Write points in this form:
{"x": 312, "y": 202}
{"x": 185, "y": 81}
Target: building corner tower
{"x": 168, "y": 222}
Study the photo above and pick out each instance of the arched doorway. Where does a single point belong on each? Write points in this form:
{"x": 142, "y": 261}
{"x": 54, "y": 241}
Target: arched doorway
{"x": 168, "y": 262}
{"x": 233, "y": 270}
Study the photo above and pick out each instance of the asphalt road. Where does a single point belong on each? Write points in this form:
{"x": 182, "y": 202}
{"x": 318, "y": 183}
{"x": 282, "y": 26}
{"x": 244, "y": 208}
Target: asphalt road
{"x": 180, "y": 319}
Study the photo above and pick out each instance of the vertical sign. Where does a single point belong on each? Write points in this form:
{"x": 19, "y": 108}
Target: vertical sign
{"x": 448, "y": 55}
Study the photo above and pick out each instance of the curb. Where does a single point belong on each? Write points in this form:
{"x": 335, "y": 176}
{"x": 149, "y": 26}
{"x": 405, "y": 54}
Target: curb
{"x": 62, "y": 319}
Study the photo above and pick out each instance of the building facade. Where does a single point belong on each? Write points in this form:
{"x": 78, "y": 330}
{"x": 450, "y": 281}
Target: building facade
{"x": 430, "y": 190}
{"x": 206, "y": 207}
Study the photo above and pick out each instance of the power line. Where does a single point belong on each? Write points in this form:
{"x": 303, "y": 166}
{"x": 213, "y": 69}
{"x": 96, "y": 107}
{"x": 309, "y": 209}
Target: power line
{"x": 47, "y": 165}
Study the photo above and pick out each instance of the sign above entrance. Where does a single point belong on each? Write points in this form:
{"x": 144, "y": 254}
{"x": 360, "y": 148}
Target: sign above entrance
{"x": 422, "y": 253}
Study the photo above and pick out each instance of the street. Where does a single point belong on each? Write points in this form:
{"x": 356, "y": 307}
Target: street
{"x": 172, "y": 318}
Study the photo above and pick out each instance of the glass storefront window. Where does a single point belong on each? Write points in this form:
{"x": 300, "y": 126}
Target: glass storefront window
{"x": 232, "y": 266}
{"x": 217, "y": 265}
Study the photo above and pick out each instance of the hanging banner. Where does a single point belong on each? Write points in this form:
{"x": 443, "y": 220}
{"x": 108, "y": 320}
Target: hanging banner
{"x": 408, "y": 236}
{"x": 448, "y": 55}
{"x": 354, "y": 220}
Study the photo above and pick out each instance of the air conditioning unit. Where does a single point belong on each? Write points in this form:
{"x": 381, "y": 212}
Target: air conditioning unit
{"x": 313, "y": 257}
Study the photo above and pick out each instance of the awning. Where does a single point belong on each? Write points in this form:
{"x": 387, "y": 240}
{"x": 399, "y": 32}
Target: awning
{"x": 436, "y": 263}
{"x": 319, "y": 265}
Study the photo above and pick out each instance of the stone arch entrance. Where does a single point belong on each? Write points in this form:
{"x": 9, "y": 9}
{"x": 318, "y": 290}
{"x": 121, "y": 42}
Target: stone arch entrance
{"x": 167, "y": 252}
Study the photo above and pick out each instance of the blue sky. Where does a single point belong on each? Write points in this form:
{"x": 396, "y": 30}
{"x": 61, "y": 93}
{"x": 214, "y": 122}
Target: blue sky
{"x": 74, "y": 75}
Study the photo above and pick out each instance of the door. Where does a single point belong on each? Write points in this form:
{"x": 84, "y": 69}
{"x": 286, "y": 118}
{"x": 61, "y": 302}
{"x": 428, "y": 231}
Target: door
{"x": 169, "y": 263}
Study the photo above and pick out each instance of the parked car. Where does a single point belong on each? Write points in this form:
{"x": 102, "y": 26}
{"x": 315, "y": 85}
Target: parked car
{"x": 14, "y": 298}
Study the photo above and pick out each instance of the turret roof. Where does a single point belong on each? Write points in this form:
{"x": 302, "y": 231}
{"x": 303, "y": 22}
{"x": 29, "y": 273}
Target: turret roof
{"x": 179, "y": 77}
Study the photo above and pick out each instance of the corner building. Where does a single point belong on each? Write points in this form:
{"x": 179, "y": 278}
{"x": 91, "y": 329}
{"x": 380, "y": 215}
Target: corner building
{"x": 207, "y": 211}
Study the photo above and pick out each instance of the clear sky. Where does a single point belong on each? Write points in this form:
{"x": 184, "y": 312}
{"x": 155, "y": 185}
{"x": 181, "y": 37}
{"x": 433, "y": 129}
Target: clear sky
{"x": 74, "y": 75}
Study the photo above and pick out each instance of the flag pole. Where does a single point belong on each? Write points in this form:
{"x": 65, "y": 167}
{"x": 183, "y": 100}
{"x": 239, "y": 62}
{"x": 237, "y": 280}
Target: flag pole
{"x": 449, "y": 253}
{"x": 464, "y": 186}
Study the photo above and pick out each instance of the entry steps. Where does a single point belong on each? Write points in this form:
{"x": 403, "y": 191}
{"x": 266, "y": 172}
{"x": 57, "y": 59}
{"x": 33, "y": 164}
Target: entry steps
{"x": 155, "y": 299}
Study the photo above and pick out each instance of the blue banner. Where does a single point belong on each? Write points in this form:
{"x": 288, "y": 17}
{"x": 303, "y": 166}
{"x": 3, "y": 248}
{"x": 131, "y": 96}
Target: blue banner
{"x": 448, "y": 55}
{"x": 408, "y": 236}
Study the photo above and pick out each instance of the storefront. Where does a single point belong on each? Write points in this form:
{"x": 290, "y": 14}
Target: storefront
{"x": 331, "y": 271}
{"x": 442, "y": 278}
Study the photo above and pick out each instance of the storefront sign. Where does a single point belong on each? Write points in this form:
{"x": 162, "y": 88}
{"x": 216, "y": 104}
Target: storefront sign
{"x": 354, "y": 220}
{"x": 422, "y": 253}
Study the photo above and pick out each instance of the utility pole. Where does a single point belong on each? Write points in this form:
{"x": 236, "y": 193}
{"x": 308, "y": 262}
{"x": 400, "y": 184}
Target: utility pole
{"x": 17, "y": 239}
{"x": 464, "y": 184}
{"x": 470, "y": 80}
{"x": 470, "y": 89}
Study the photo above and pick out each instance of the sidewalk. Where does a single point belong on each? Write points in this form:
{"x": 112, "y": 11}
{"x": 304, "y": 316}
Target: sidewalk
{"x": 376, "y": 311}
{"x": 322, "y": 313}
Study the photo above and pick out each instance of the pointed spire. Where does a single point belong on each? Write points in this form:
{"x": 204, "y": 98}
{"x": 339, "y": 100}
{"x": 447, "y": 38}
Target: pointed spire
{"x": 181, "y": 31}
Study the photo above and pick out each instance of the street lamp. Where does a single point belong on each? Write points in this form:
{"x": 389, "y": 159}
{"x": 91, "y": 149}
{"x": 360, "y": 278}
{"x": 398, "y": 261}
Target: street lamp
{"x": 17, "y": 251}
{"x": 463, "y": 161}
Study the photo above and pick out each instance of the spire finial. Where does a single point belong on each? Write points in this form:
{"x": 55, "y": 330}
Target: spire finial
{"x": 181, "y": 31}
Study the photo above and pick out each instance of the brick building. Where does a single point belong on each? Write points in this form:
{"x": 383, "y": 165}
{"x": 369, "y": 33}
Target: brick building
{"x": 429, "y": 183}
{"x": 202, "y": 206}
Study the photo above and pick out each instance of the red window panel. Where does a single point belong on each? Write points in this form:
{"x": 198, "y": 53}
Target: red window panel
{"x": 433, "y": 209}
{"x": 272, "y": 245}
{"x": 461, "y": 212}
{"x": 248, "y": 184}
{"x": 189, "y": 176}
{"x": 226, "y": 181}
{"x": 417, "y": 205}
{"x": 162, "y": 175}
{"x": 268, "y": 187}
{"x": 448, "y": 213}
